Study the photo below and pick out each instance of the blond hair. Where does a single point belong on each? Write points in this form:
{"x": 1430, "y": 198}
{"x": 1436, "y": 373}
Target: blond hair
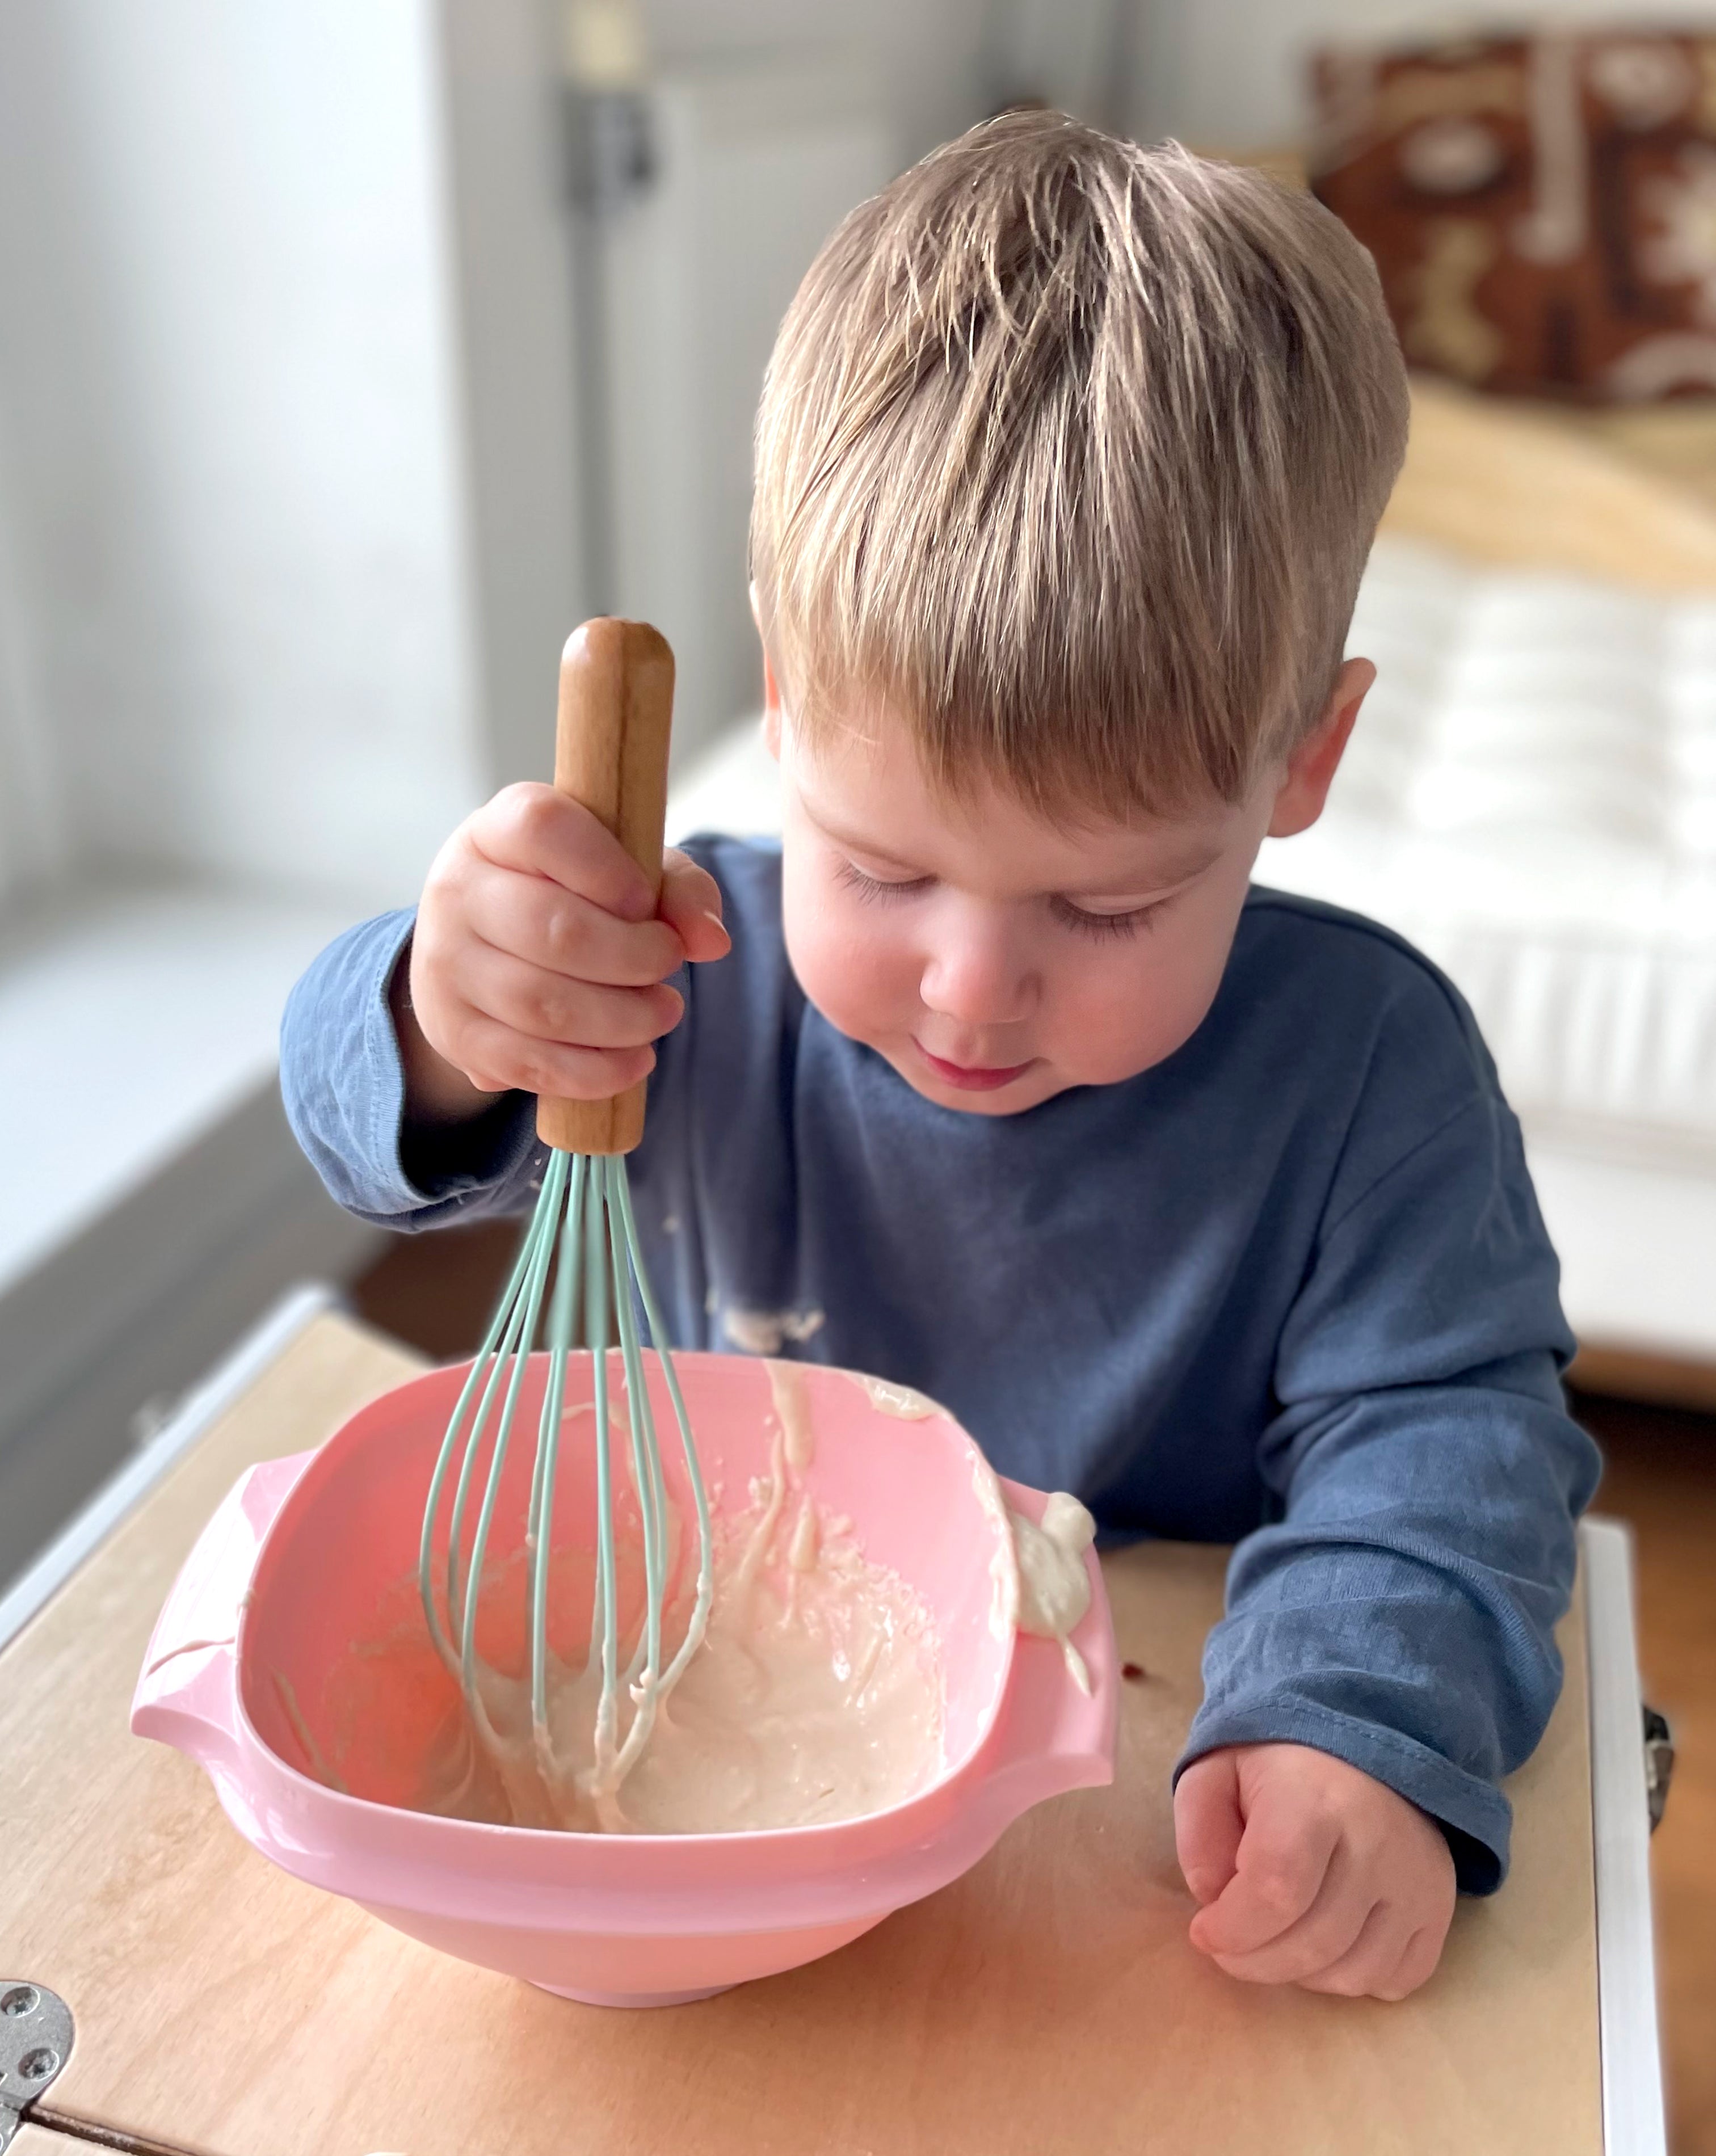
{"x": 1073, "y": 452}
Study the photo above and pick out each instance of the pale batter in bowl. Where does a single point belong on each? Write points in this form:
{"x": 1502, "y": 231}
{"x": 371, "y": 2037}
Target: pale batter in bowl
{"x": 817, "y": 1697}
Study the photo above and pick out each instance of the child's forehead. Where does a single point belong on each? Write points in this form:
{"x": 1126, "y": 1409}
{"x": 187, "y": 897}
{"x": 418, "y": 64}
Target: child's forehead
{"x": 864, "y": 785}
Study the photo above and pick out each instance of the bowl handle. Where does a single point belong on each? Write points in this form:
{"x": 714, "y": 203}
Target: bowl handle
{"x": 187, "y": 1695}
{"x": 1052, "y": 1735}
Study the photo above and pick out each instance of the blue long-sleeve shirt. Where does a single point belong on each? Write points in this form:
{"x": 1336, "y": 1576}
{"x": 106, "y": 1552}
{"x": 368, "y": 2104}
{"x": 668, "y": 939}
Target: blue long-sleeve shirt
{"x": 1288, "y": 1289}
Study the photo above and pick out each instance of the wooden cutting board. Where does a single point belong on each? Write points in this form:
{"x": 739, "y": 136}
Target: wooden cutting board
{"x": 1047, "y": 2000}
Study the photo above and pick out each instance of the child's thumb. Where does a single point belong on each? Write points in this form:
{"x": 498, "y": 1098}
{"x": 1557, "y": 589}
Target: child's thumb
{"x": 1208, "y": 1824}
{"x": 690, "y": 906}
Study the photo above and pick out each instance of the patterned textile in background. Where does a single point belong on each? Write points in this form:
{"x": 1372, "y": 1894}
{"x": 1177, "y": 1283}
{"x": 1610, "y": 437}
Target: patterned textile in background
{"x": 1542, "y": 209}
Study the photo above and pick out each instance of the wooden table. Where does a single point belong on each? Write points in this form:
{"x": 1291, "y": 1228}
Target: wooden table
{"x": 1048, "y": 2000}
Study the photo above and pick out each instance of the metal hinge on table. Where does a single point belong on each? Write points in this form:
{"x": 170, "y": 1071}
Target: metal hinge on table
{"x": 1659, "y": 1763}
{"x": 35, "y": 2042}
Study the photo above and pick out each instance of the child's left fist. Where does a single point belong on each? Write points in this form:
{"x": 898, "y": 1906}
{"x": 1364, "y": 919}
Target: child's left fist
{"x": 1311, "y": 1872}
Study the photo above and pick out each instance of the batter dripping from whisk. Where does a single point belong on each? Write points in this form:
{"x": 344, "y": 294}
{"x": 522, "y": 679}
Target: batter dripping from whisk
{"x": 816, "y": 1696}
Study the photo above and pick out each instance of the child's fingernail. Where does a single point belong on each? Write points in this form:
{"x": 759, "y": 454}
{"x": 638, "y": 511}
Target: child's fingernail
{"x": 719, "y": 922}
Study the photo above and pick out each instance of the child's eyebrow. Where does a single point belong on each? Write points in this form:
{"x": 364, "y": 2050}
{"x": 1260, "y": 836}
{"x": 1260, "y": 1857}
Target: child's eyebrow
{"x": 1174, "y": 868}
{"x": 1178, "y": 866}
{"x": 859, "y": 842}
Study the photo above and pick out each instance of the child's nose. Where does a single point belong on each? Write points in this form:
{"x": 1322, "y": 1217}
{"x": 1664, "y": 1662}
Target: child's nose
{"x": 977, "y": 978}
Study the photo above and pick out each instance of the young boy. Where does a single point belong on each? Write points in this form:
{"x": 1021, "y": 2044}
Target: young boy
{"x": 997, "y": 1078}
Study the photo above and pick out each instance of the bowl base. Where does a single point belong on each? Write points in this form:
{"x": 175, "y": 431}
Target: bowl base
{"x": 636, "y": 1998}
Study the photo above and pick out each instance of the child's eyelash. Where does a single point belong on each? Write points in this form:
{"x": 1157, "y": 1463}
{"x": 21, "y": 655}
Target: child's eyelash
{"x": 869, "y": 886}
{"x": 1103, "y": 927}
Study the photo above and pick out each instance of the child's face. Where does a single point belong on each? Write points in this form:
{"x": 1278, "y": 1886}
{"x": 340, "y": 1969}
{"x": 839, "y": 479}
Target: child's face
{"x": 994, "y": 959}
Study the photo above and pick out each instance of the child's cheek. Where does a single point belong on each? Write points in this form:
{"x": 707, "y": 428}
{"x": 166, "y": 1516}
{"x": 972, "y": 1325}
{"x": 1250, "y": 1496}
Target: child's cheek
{"x": 1144, "y": 1002}
{"x": 846, "y": 957}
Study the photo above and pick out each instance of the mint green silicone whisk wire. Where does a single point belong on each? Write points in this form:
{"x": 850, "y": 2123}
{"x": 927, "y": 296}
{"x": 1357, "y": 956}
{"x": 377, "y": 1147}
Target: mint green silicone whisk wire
{"x": 585, "y": 1213}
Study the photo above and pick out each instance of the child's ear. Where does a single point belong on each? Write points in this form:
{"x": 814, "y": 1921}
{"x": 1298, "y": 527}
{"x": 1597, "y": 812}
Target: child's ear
{"x": 1311, "y": 767}
{"x": 771, "y": 706}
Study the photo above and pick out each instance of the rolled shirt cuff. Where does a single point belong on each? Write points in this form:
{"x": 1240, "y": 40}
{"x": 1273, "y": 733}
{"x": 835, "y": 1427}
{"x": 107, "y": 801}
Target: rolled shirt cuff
{"x": 1473, "y": 1814}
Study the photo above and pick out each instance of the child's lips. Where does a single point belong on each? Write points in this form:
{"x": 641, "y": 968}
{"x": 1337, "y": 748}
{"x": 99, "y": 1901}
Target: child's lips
{"x": 970, "y": 1077}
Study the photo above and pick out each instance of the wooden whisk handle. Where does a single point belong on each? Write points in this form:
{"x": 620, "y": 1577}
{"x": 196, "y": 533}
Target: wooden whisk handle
{"x": 610, "y": 754}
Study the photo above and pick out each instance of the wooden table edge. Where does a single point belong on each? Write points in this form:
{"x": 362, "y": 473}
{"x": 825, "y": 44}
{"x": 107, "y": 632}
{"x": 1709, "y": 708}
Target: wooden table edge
{"x": 1633, "y": 2116}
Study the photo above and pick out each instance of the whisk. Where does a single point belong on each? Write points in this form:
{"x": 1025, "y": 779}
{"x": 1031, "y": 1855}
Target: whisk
{"x": 616, "y": 703}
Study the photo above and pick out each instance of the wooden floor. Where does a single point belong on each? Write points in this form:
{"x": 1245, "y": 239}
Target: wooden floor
{"x": 436, "y": 1292}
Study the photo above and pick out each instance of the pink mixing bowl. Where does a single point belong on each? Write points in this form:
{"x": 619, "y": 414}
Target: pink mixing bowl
{"x": 252, "y": 1672}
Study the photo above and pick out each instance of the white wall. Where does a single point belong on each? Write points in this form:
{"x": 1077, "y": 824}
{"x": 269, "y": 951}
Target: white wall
{"x": 230, "y": 434}
{"x": 507, "y": 199}
{"x": 33, "y": 833}
{"x": 938, "y": 65}
{"x": 1232, "y": 73}
{"x": 926, "y": 56}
